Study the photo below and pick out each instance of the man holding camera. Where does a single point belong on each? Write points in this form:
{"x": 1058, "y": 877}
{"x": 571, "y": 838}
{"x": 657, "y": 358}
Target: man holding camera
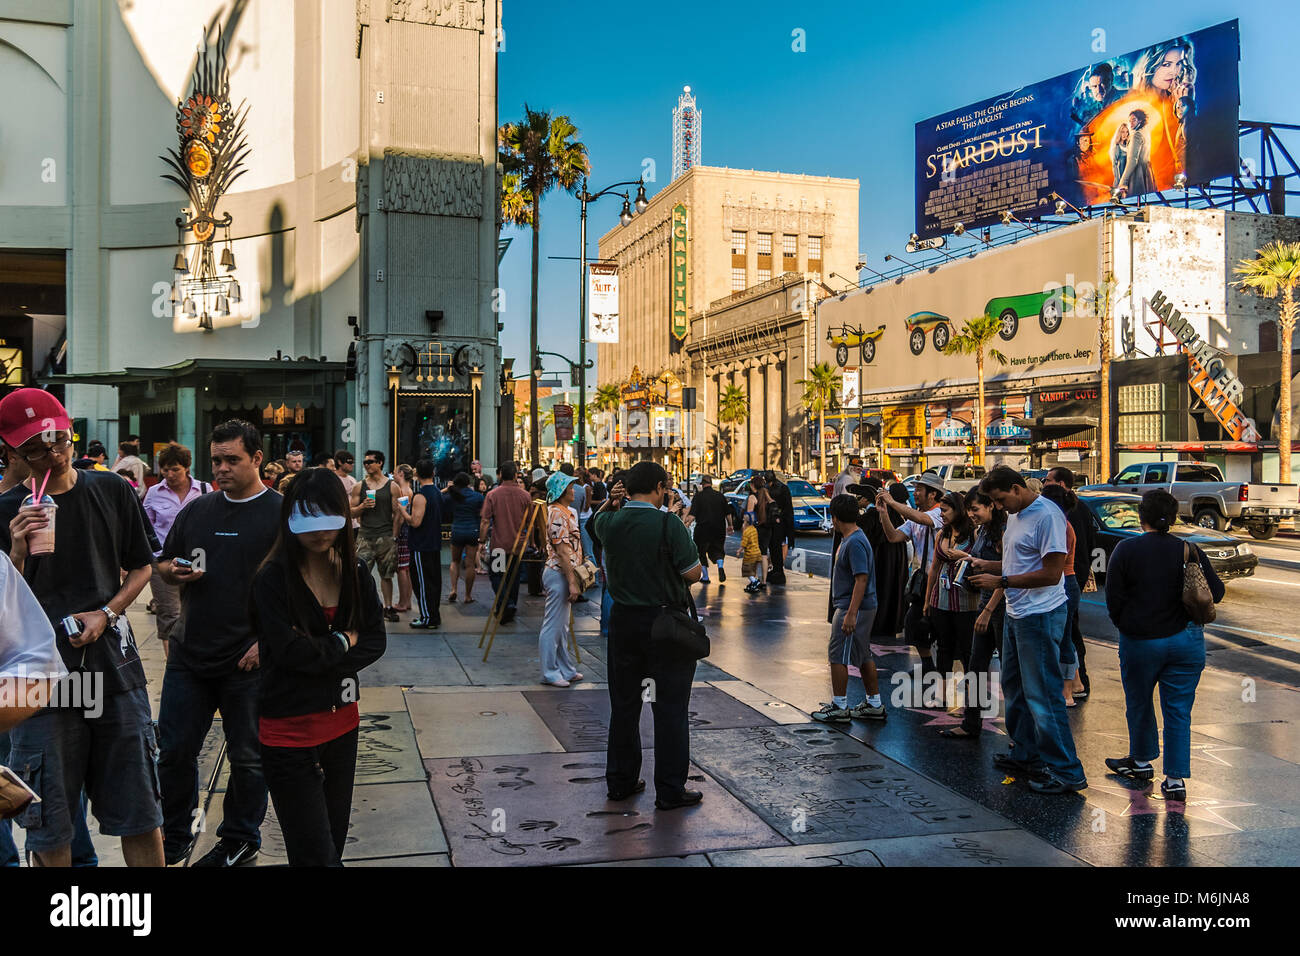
{"x": 106, "y": 744}
{"x": 213, "y": 549}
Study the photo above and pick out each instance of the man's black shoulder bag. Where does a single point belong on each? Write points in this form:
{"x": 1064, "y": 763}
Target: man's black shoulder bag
{"x": 677, "y": 630}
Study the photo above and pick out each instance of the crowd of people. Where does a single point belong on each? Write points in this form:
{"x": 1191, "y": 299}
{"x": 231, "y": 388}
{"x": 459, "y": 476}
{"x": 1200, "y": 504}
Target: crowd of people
{"x": 267, "y": 582}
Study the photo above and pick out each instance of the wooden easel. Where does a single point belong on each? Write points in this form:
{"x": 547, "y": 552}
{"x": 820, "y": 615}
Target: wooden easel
{"x": 535, "y": 518}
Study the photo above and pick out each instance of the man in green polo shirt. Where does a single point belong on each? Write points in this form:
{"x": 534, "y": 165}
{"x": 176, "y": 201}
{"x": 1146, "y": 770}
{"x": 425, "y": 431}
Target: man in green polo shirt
{"x": 632, "y": 529}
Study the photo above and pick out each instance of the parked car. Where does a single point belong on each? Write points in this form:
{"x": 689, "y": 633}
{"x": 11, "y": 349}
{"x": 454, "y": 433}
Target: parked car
{"x": 958, "y": 477}
{"x": 811, "y": 508}
{"x": 918, "y": 323}
{"x": 1208, "y": 500}
{"x": 1039, "y": 473}
{"x": 735, "y": 478}
{"x": 1115, "y": 517}
{"x": 693, "y": 480}
{"x": 1050, "y": 308}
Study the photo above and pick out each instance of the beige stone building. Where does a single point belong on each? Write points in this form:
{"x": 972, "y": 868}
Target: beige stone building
{"x": 757, "y": 245}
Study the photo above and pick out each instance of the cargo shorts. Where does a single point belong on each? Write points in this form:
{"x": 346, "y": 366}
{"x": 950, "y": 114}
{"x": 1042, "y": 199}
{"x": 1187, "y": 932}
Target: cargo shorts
{"x": 114, "y": 757}
{"x": 378, "y": 553}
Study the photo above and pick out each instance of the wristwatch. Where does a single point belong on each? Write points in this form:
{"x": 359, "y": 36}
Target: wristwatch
{"x": 110, "y": 614}
{"x": 1006, "y": 582}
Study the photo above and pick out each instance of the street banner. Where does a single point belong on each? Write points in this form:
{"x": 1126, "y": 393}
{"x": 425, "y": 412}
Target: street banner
{"x": 602, "y": 302}
{"x": 1120, "y": 127}
{"x": 563, "y": 422}
{"x": 849, "y": 396}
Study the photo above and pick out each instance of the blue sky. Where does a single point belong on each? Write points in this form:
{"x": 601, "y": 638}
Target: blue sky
{"x": 846, "y": 106}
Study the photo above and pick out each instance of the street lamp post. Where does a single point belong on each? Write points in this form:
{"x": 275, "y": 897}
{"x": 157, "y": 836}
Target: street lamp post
{"x": 624, "y": 218}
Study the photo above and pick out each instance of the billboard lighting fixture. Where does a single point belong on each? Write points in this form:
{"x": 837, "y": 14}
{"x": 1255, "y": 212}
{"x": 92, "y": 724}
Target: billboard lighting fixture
{"x": 893, "y": 258}
{"x": 1062, "y": 204}
{"x": 1180, "y": 181}
{"x": 1008, "y": 217}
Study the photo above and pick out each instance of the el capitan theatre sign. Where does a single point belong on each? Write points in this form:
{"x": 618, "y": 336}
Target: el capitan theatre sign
{"x": 1209, "y": 376}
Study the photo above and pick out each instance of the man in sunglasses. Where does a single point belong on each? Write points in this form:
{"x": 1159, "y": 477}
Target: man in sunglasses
{"x": 106, "y": 744}
{"x": 372, "y": 502}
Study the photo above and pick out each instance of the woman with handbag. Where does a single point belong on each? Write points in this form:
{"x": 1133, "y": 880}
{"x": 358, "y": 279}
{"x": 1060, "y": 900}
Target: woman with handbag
{"x": 757, "y": 505}
{"x": 950, "y": 606}
{"x": 1159, "y": 592}
{"x": 559, "y": 582}
{"x": 986, "y": 636}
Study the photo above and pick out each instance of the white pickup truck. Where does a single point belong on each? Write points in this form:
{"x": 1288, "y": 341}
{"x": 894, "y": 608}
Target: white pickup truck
{"x": 1204, "y": 498}
{"x": 958, "y": 477}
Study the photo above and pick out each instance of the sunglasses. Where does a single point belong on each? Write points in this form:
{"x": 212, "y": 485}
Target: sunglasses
{"x": 370, "y": 461}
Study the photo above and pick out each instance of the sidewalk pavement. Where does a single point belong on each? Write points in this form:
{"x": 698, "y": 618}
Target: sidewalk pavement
{"x": 466, "y": 762}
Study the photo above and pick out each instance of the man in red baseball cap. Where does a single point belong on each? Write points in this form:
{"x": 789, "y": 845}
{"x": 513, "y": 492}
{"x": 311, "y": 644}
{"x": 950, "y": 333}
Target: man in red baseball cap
{"x": 100, "y": 738}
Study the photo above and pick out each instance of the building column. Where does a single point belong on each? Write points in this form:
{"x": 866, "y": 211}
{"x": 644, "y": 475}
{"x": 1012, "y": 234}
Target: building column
{"x": 774, "y": 426}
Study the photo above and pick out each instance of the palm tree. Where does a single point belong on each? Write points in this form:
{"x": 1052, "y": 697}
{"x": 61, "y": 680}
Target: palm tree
{"x": 537, "y": 154}
{"x": 733, "y": 409}
{"x": 1277, "y": 272}
{"x": 819, "y": 390}
{"x": 607, "y": 398}
{"x": 974, "y": 339}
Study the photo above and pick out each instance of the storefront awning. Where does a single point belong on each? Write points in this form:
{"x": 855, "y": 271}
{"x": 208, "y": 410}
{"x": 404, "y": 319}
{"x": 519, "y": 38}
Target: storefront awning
{"x": 130, "y": 376}
{"x": 1059, "y": 421}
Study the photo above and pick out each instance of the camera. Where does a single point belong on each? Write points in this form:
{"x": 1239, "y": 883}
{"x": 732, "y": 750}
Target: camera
{"x": 183, "y": 564}
{"x": 70, "y": 626}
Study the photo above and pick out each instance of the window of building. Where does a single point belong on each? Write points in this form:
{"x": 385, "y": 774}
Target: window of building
{"x": 764, "y": 275}
{"x": 764, "y": 243}
{"x": 737, "y": 279}
{"x": 1147, "y": 413}
{"x": 737, "y": 243}
{"x": 789, "y": 246}
{"x": 814, "y": 248}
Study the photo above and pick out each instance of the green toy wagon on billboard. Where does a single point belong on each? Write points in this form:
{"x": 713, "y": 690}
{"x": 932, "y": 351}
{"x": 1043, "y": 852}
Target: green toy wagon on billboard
{"x": 1049, "y": 306}
{"x": 919, "y": 323}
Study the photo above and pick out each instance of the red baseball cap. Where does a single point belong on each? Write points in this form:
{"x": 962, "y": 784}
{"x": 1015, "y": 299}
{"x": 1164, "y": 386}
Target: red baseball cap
{"x": 27, "y": 412}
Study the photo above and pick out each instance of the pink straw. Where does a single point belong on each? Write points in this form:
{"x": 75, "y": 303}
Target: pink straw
{"x": 40, "y": 495}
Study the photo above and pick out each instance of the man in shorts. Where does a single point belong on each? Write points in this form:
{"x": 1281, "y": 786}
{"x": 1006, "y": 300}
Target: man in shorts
{"x": 372, "y": 500}
{"x": 853, "y": 595}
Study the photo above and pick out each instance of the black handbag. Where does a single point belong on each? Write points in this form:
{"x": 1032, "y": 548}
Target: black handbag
{"x": 676, "y": 630}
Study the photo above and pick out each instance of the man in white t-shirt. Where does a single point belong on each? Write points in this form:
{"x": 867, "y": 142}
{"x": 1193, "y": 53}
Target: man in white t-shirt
{"x": 922, "y": 528}
{"x": 1030, "y": 575}
{"x": 30, "y": 663}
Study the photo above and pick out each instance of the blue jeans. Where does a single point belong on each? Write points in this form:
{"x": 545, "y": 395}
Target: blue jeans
{"x": 1175, "y": 663}
{"x": 498, "y": 578}
{"x": 586, "y": 538}
{"x": 1069, "y": 656}
{"x": 1031, "y": 684}
{"x": 185, "y": 714}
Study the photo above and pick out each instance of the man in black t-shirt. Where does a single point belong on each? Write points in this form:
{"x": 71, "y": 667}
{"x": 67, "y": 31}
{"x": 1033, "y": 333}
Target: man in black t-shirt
{"x": 710, "y": 510}
{"x": 105, "y": 744}
{"x": 213, "y": 660}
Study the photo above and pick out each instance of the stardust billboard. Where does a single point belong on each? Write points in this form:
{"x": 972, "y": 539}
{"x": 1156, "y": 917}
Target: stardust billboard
{"x": 1121, "y": 127}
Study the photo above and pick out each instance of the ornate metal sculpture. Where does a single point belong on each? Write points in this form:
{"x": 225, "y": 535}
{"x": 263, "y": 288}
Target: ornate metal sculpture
{"x": 211, "y": 154}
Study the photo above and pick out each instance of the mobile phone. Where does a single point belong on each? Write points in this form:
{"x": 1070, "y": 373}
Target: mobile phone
{"x": 182, "y": 563}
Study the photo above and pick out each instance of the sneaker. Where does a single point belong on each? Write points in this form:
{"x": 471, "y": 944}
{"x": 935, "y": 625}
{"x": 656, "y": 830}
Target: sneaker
{"x": 556, "y": 683}
{"x": 1174, "y": 791}
{"x": 687, "y": 798}
{"x": 830, "y": 714}
{"x": 762, "y": 585}
{"x": 704, "y": 579}
{"x": 1010, "y": 763}
{"x": 865, "y": 711}
{"x": 425, "y": 625}
{"x": 508, "y": 617}
{"x": 1128, "y": 767}
{"x": 173, "y": 856}
{"x": 391, "y": 615}
{"x": 229, "y": 853}
{"x": 722, "y": 575}
{"x": 1049, "y": 783}
{"x": 751, "y": 587}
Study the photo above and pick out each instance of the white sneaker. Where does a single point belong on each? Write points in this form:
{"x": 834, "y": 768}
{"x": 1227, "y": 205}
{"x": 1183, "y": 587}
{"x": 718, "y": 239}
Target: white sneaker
{"x": 556, "y": 683}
